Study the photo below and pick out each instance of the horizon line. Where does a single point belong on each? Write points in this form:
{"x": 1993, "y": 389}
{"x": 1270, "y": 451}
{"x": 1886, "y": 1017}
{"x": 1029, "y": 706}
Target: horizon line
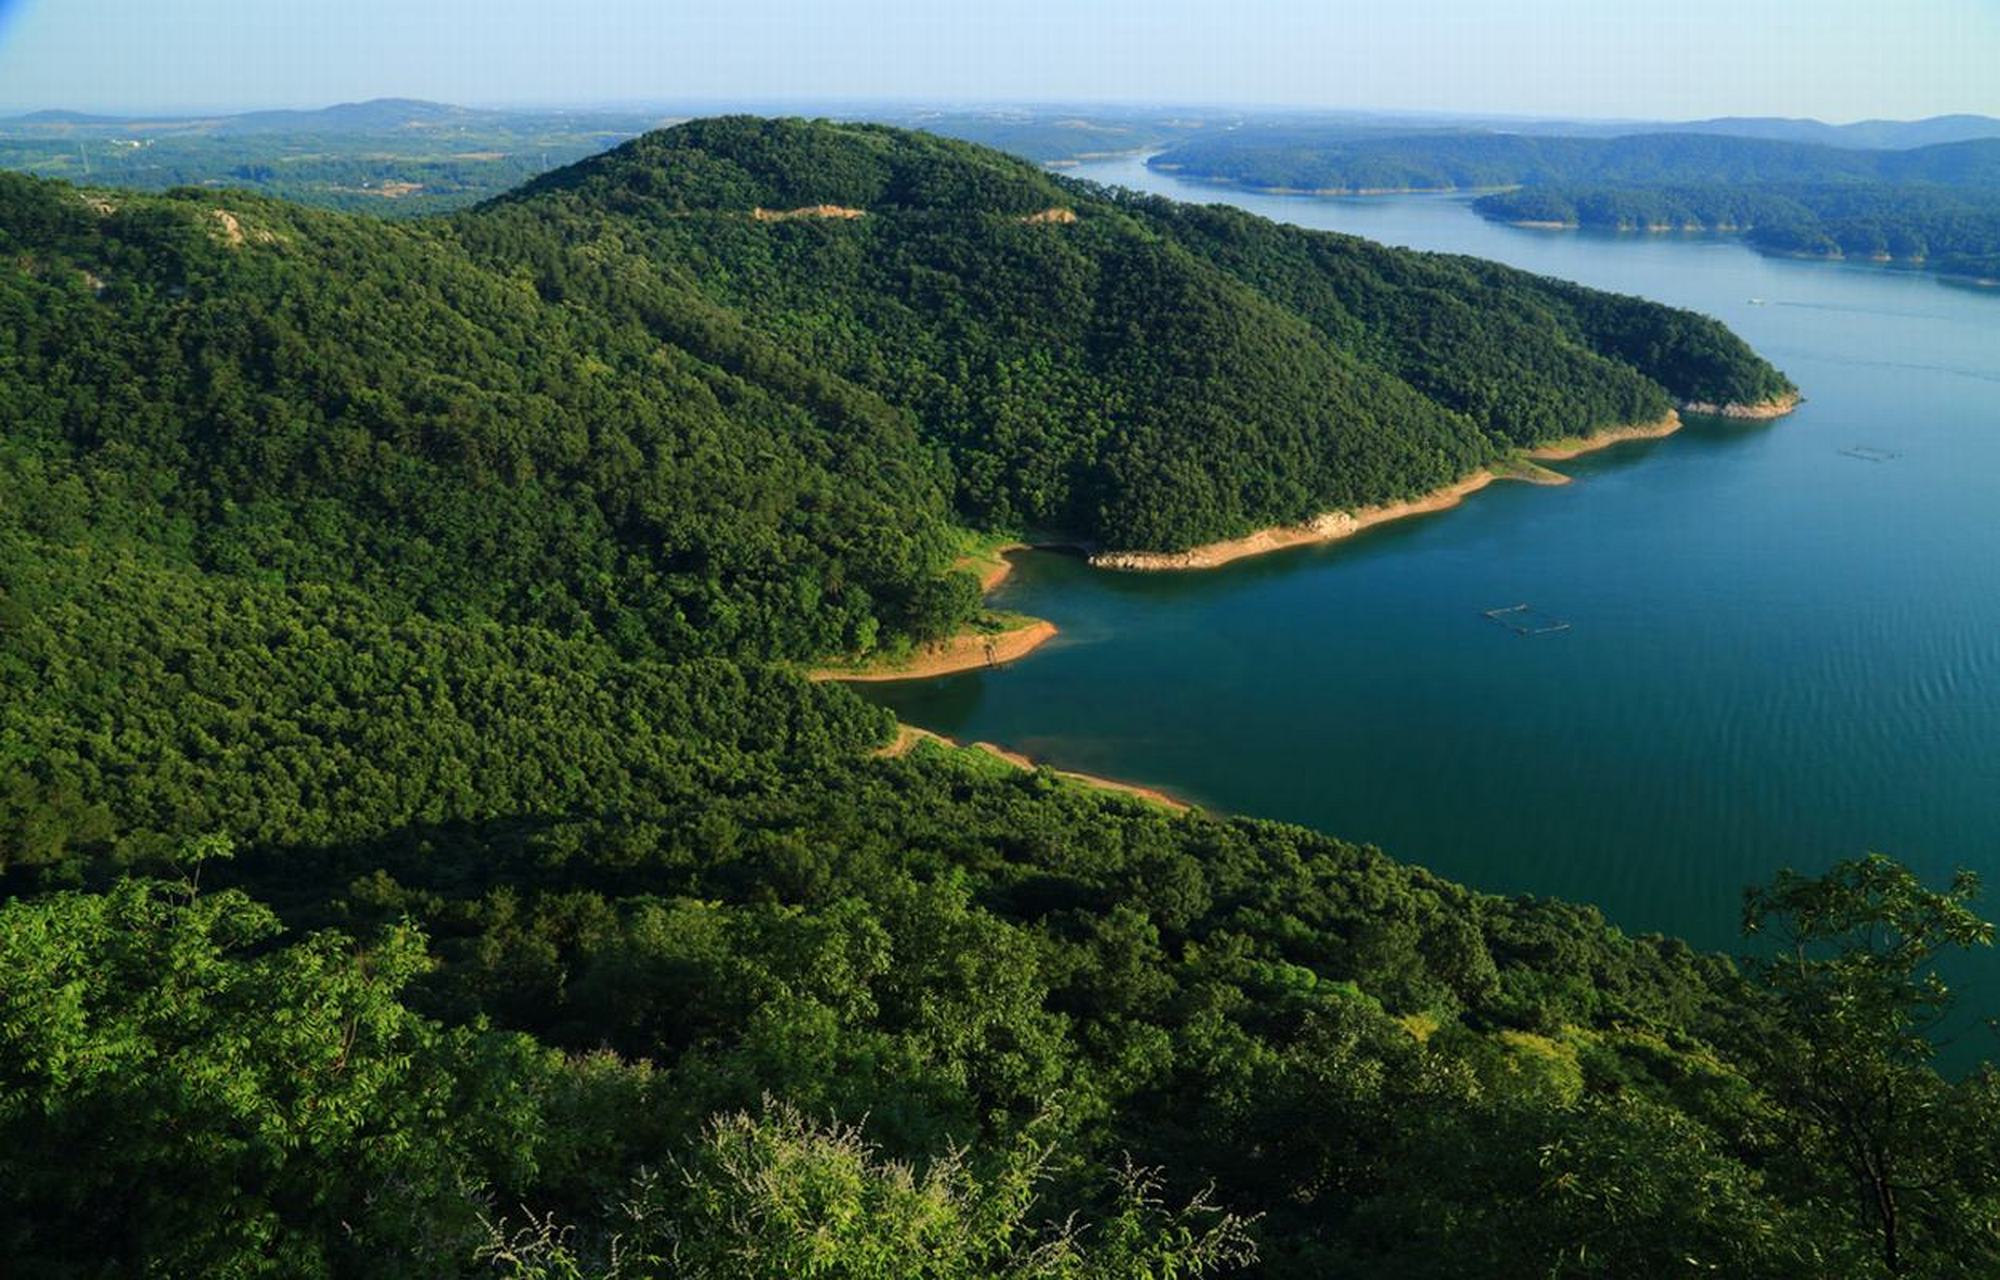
{"x": 746, "y": 104}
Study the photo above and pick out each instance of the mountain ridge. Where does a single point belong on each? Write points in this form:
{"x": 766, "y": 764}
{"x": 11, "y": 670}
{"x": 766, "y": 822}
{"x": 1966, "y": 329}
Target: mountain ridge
{"x": 920, "y": 193}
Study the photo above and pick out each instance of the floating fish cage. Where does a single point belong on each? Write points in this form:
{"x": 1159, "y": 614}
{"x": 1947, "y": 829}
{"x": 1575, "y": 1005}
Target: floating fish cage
{"x": 1525, "y": 620}
{"x": 1868, "y": 453}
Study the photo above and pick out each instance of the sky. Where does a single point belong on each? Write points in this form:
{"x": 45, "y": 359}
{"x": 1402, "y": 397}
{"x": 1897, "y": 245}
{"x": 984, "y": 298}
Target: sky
{"x": 1837, "y": 60}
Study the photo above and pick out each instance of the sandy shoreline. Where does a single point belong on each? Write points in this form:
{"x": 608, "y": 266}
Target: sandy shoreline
{"x": 1563, "y": 450}
{"x": 1649, "y": 228}
{"x": 994, "y": 572}
{"x": 908, "y": 736}
{"x": 966, "y": 651}
{"x": 1331, "y": 527}
{"x": 970, "y": 651}
{"x": 1335, "y": 525}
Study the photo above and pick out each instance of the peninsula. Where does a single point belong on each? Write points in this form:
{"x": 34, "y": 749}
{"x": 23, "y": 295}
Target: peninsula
{"x": 1333, "y": 526}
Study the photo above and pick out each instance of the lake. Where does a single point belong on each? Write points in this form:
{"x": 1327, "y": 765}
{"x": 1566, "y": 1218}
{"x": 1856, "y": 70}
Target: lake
{"x": 1784, "y": 639}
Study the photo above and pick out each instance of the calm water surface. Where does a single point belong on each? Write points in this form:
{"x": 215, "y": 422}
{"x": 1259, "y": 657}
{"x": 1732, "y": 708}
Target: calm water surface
{"x": 1779, "y": 654}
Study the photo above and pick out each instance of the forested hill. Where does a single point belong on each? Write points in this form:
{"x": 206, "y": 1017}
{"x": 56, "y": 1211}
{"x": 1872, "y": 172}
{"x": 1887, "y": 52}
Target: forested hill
{"x": 1936, "y": 206}
{"x": 423, "y": 854}
{"x": 1107, "y": 366}
{"x": 634, "y": 398}
{"x": 1955, "y": 230}
{"x": 1305, "y": 159}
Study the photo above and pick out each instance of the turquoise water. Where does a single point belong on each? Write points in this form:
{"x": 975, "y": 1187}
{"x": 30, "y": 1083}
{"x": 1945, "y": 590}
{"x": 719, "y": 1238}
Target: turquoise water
{"x": 1779, "y": 653}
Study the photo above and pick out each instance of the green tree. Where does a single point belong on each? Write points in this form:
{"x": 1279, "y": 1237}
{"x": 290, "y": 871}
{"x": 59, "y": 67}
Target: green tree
{"x": 180, "y": 1097}
{"x": 1856, "y": 1004}
{"x": 778, "y": 1194}
{"x": 1603, "y": 1189}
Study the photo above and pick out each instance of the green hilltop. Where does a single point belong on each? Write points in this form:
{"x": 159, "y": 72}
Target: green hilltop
{"x": 621, "y": 398}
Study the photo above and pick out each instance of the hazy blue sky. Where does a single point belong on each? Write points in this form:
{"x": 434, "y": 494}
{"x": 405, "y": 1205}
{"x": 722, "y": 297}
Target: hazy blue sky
{"x": 1836, "y": 59}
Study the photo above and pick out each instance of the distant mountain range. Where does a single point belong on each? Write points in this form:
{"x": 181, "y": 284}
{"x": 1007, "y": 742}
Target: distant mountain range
{"x": 402, "y": 157}
{"x": 1042, "y": 127}
{"x": 1883, "y": 135}
{"x": 58, "y": 117}
{"x": 375, "y": 116}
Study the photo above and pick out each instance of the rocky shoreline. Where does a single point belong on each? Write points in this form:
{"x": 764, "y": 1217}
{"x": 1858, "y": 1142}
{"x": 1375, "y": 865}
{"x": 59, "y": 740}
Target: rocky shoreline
{"x": 1760, "y": 411}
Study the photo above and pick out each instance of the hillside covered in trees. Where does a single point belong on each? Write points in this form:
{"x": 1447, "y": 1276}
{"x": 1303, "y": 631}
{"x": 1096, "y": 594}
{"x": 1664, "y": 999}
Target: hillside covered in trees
{"x": 617, "y": 384}
{"x": 1947, "y": 229}
{"x": 1937, "y": 206}
{"x": 423, "y": 851}
{"x": 1308, "y": 159}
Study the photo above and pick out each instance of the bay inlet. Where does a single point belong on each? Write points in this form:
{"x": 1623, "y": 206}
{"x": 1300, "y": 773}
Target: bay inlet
{"x": 1784, "y": 639}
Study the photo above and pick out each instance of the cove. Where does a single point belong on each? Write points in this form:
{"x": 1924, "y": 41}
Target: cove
{"x": 1783, "y": 643}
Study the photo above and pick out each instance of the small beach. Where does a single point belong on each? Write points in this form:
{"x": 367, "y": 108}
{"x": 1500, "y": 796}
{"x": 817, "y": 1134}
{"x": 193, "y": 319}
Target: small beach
{"x": 966, "y": 651}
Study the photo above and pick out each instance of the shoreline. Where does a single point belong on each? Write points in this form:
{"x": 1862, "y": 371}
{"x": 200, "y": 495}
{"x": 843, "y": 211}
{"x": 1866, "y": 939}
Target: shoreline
{"x": 966, "y": 651}
{"x": 1761, "y": 411}
{"x": 1577, "y": 446}
{"x": 1364, "y": 193}
{"x": 973, "y": 650}
{"x": 993, "y": 565}
{"x": 1333, "y": 526}
{"x": 909, "y": 735}
{"x": 1907, "y": 262}
{"x": 1649, "y": 228}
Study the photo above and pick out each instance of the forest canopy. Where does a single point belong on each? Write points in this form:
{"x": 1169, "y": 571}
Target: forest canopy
{"x": 423, "y": 849}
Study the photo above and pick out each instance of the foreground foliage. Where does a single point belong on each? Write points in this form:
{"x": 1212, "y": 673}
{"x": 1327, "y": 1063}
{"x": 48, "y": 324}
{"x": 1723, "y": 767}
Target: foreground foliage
{"x": 777, "y": 1194}
{"x": 240, "y": 1099}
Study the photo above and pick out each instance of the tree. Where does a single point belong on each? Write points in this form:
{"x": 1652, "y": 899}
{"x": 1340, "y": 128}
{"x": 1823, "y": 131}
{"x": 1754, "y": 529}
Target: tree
{"x": 1855, "y": 1007}
{"x": 180, "y": 1096}
{"x": 1518, "y": 1190}
{"x": 779, "y": 1194}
